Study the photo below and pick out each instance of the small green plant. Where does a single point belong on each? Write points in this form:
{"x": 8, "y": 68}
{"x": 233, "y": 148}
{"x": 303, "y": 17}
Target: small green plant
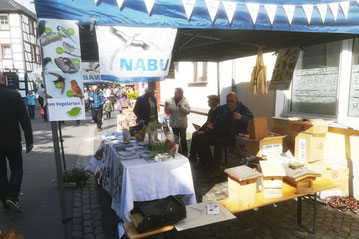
{"x": 75, "y": 175}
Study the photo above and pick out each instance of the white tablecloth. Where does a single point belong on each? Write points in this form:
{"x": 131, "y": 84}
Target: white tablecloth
{"x": 138, "y": 180}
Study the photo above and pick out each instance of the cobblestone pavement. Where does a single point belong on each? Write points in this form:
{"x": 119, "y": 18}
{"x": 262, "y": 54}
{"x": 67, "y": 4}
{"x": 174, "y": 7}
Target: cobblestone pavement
{"x": 273, "y": 221}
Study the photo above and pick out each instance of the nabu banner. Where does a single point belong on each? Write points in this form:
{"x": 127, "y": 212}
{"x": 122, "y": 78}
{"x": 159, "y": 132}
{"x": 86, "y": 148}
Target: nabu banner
{"x": 134, "y": 51}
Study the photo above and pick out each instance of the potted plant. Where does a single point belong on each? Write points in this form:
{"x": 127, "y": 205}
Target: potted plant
{"x": 75, "y": 177}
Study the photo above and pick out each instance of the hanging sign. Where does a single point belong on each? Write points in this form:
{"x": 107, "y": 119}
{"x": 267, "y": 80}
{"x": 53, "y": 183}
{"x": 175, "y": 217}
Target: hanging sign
{"x": 212, "y": 6}
{"x": 230, "y": 8}
{"x": 149, "y": 5}
{"x": 188, "y": 7}
{"x": 253, "y": 9}
{"x": 135, "y": 51}
{"x": 308, "y": 10}
{"x": 345, "y": 8}
{"x": 289, "y": 11}
{"x": 120, "y": 3}
{"x": 322, "y": 8}
{"x": 60, "y": 44}
{"x": 334, "y": 9}
{"x": 91, "y": 73}
{"x": 271, "y": 10}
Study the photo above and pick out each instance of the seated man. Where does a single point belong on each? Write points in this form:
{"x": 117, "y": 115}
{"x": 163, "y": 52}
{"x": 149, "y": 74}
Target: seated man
{"x": 232, "y": 119}
{"x": 202, "y": 132}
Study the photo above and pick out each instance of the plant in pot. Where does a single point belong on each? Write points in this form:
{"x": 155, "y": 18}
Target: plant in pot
{"x": 75, "y": 177}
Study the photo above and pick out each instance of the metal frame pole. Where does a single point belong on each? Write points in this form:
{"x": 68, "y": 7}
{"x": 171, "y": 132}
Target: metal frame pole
{"x": 62, "y": 145}
{"x": 60, "y": 182}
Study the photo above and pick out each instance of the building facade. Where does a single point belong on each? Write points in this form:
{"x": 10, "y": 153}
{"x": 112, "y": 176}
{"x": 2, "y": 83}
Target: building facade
{"x": 19, "y": 49}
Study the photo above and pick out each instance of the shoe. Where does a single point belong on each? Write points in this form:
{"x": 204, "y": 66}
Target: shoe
{"x": 6, "y": 206}
{"x": 98, "y": 129}
{"x": 14, "y": 205}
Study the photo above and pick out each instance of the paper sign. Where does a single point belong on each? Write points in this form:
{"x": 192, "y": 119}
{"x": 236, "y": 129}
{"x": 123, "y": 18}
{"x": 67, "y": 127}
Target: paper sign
{"x": 302, "y": 150}
{"x": 230, "y": 8}
{"x": 149, "y": 5}
{"x": 334, "y": 9}
{"x": 322, "y": 8}
{"x": 271, "y": 10}
{"x": 308, "y": 10}
{"x": 120, "y": 3}
{"x": 188, "y": 7}
{"x": 345, "y": 8}
{"x": 289, "y": 11}
{"x": 63, "y": 70}
{"x": 253, "y": 9}
{"x": 212, "y": 6}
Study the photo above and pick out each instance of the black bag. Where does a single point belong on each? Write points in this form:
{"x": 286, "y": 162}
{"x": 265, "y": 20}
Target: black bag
{"x": 160, "y": 212}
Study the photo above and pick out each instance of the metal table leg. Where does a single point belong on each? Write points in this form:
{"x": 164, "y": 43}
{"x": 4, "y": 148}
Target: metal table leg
{"x": 315, "y": 213}
{"x": 299, "y": 210}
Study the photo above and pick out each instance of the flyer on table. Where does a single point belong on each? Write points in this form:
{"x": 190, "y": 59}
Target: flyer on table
{"x": 62, "y": 66}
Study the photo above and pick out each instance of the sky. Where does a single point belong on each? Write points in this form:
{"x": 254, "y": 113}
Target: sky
{"x": 27, "y": 4}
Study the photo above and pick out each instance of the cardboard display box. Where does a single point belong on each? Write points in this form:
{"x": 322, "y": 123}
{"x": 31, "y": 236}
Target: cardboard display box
{"x": 265, "y": 146}
{"x": 311, "y": 127}
{"x": 309, "y": 147}
{"x": 258, "y": 128}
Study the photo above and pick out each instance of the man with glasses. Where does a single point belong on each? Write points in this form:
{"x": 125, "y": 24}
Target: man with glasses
{"x": 232, "y": 119}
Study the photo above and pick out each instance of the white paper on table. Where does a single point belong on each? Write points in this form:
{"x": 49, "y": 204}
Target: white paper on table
{"x": 197, "y": 216}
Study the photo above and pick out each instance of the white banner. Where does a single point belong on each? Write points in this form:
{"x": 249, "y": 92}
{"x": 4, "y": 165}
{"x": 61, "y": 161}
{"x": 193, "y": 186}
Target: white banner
{"x": 345, "y": 8}
{"x": 60, "y": 44}
{"x": 322, "y": 8}
{"x": 230, "y": 8}
{"x": 65, "y": 109}
{"x": 253, "y": 9}
{"x": 334, "y": 9}
{"x": 271, "y": 10}
{"x": 188, "y": 7}
{"x": 212, "y": 6}
{"x": 91, "y": 73}
{"x": 149, "y": 5}
{"x": 308, "y": 10}
{"x": 135, "y": 51}
{"x": 289, "y": 11}
{"x": 120, "y": 3}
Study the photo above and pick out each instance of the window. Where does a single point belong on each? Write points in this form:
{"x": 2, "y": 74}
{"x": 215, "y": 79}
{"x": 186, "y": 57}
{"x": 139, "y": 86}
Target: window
{"x": 10, "y": 80}
{"x": 33, "y": 53}
{"x": 200, "y": 71}
{"x": 353, "y": 108}
{"x": 6, "y": 51}
{"x": 4, "y": 22}
{"x": 32, "y": 27}
{"x": 315, "y": 80}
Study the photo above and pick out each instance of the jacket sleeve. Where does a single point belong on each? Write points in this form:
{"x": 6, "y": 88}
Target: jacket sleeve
{"x": 246, "y": 115}
{"x": 136, "y": 108}
{"x": 168, "y": 108}
{"x": 185, "y": 108}
{"x": 24, "y": 120}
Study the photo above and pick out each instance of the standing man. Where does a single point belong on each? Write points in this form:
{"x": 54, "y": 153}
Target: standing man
{"x": 146, "y": 111}
{"x": 31, "y": 101}
{"x": 12, "y": 113}
{"x": 97, "y": 101}
{"x": 179, "y": 108}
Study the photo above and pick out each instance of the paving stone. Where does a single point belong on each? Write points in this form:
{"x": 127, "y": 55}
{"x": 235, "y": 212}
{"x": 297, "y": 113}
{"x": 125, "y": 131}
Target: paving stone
{"x": 343, "y": 234}
{"x": 77, "y": 227}
{"x": 354, "y": 233}
{"x": 100, "y": 236}
{"x": 77, "y": 204}
{"x": 300, "y": 234}
{"x": 87, "y": 223}
{"x": 77, "y": 234}
{"x": 88, "y": 230}
{"x": 77, "y": 221}
{"x": 345, "y": 229}
{"x": 89, "y": 236}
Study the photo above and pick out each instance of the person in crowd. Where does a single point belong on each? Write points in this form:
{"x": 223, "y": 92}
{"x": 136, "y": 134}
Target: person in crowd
{"x": 146, "y": 111}
{"x": 42, "y": 100}
{"x": 31, "y": 102}
{"x": 108, "y": 108}
{"x": 178, "y": 107}
{"x": 204, "y": 132}
{"x": 86, "y": 98}
{"x": 12, "y": 114}
{"x": 107, "y": 92}
{"x": 123, "y": 103}
{"x": 97, "y": 100}
{"x": 232, "y": 119}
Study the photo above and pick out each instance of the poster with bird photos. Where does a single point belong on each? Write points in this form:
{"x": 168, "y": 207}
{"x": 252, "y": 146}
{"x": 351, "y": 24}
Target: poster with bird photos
{"x": 60, "y": 43}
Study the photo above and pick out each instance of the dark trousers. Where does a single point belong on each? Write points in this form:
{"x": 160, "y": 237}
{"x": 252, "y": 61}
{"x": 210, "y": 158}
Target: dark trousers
{"x": 205, "y": 154}
{"x": 108, "y": 114}
{"x": 195, "y": 144}
{"x": 97, "y": 116}
{"x": 181, "y": 132}
{"x": 31, "y": 109}
{"x": 10, "y": 189}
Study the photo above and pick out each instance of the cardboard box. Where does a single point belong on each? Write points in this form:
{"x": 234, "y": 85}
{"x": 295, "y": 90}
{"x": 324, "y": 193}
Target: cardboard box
{"x": 312, "y": 127}
{"x": 265, "y": 146}
{"x": 309, "y": 147}
{"x": 258, "y": 128}
{"x": 283, "y": 126}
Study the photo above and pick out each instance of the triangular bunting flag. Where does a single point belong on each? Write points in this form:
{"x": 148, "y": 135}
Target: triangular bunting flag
{"x": 253, "y": 9}
{"x": 212, "y": 6}
{"x": 334, "y": 9}
{"x": 308, "y": 10}
{"x": 358, "y": 2}
{"x": 271, "y": 10}
{"x": 149, "y": 5}
{"x": 188, "y": 7}
{"x": 289, "y": 11}
{"x": 120, "y": 3}
{"x": 230, "y": 8}
{"x": 345, "y": 8}
{"x": 322, "y": 8}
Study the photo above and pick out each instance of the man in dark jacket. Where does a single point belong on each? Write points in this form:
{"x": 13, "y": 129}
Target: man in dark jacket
{"x": 12, "y": 113}
{"x": 232, "y": 119}
{"x": 146, "y": 111}
{"x": 204, "y": 132}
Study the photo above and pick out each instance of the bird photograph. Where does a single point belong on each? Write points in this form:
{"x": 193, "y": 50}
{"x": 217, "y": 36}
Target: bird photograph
{"x": 60, "y": 80}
